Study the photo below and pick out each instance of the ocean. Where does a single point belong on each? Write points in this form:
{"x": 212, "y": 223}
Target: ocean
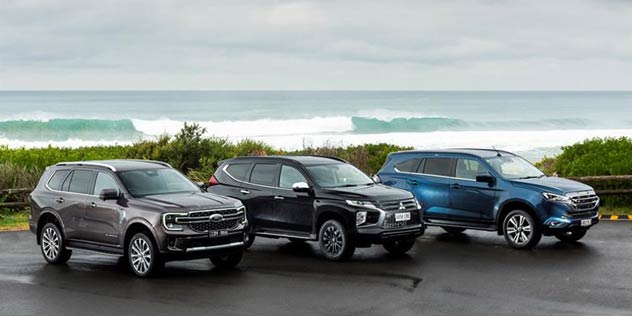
{"x": 534, "y": 124}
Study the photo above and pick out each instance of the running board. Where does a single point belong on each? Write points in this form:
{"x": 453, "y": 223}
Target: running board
{"x": 285, "y": 234}
{"x": 95, "y": 247}
{"x": 468, "y": 225}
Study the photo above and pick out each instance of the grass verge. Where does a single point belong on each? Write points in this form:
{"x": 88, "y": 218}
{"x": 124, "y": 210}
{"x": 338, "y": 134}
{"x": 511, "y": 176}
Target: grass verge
{"x": 616, "y": 210}
{"x": 14, "y": 220}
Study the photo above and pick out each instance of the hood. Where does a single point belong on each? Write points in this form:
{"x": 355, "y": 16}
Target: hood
{"x": 553, "y": 184}
{"x": 190, "y": 201}
{"x": 376, "y": 192}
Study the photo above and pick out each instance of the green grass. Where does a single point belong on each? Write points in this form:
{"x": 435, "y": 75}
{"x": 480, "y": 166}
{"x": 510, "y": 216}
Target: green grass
{"x": 616, "y": 210}
{"x": 14, "y": 220}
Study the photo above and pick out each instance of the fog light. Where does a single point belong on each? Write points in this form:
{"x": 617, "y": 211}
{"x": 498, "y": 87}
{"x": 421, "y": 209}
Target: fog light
{"x": 360, "y": 217}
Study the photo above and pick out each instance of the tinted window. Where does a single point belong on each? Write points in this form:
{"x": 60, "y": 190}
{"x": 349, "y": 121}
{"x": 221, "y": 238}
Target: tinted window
{"x": 438, "y": 166}
{"x": 239, "y": 171}
{"x": 104, "y": 181}
{"x": 469, "y": 169}
{"x": 57, "y": 179}
{"x": 263, "y": 174}
{"x": 289, "y": 176}
{"x": 81, "y": 181}
{"x": 409, "y": 165}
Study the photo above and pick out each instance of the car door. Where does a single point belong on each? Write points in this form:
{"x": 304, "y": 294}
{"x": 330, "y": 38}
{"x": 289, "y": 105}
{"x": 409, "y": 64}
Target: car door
{"x": 403, "y": 176}
{"x": 293, "y": 210}
{"x": 78, "y": 187}
{"x": 471, "y": 200}
{"x": 431, "y": 186}
{"x": 259, "y": 192}
{"x": 65, "y": 204}
{"x": 103, "y": 217}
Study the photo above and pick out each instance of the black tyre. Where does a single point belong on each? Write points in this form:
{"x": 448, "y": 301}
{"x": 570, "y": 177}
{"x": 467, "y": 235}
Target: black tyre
{"x": 521, "y": 231}
{"x": 228, "y": 261}
{"x": 453, "y": 230}
{"x": 334, "y": 241}
{"x": 143, "y": 256}
{"x": 571, "y": 236}
{"x": 398, "y": 247}
{"x": 249, "y": 237}
{"x": 53, "y": 245}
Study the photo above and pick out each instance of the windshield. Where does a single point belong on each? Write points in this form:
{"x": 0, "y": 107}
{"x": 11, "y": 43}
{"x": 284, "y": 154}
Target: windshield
{"x": 513, "y": 167}
{"x": 338, "y": 175}
{"x": 156, "y": 181}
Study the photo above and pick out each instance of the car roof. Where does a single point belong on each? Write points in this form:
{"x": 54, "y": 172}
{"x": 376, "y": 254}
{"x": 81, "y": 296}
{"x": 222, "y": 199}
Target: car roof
{"x": 119, "y": 164}
{"x": 479, "y": 152}
{"x": 306, "y": 160}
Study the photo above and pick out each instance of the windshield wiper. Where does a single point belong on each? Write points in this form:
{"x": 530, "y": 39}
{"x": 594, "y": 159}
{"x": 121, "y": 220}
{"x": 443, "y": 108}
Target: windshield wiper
{"x": 531, "y": 177}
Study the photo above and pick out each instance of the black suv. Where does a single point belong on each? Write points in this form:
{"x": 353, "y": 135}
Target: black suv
{"x": 144, "y": 210}
{"x": 322, "y": 199}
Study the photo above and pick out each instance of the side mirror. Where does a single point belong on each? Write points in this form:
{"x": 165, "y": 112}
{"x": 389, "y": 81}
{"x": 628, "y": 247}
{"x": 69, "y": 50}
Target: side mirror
{"x": 485, "y": 178}
{"x": 376, "y": 178}
{"x": 109, "y": 194}
{"x": 300, "y": 187}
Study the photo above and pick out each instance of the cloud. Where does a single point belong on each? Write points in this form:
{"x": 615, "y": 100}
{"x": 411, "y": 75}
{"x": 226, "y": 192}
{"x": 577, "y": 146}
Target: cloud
{"x": 162, "y": 44}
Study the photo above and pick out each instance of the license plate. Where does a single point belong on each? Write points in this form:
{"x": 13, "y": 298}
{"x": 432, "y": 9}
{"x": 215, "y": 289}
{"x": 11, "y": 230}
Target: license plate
{"x": 586, "y": 222}
{"x": 217, "y": 233}
{"x": 400, "y": 217}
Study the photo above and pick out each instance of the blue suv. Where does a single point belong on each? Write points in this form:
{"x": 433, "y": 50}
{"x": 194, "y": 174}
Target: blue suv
{"x": 492, "y": 190}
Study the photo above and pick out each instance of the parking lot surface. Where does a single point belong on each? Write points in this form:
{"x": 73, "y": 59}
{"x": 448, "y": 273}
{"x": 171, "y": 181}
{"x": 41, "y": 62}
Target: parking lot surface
{"x": 472, "y": 274}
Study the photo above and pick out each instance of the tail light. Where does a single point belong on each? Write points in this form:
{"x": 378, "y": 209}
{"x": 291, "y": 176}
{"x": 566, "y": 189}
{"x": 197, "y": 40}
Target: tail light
{"x": 213, "y": 181}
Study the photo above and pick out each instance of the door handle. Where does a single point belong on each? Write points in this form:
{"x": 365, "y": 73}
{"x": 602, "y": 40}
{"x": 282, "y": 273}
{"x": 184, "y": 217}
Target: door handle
{"x": 278, "y": 197}
{"x": 412, "y": 181}
{"x": 456, "y": 186}
{"x": 244, "y": 192}
{"x": 60, "y": 200}
{"x": 92, "y": 205}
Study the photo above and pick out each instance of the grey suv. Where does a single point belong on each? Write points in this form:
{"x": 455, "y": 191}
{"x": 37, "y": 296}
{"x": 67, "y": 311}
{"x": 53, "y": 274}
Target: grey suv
{"x": 143, "y": 210}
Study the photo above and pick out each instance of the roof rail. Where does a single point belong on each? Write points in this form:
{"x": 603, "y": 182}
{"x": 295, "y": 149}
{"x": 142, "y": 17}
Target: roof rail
{"x": 86, "y": 163}
{"x": 486, "y": 149}
{"x": 330, "y": 157}
{"x": 158, "y": 162}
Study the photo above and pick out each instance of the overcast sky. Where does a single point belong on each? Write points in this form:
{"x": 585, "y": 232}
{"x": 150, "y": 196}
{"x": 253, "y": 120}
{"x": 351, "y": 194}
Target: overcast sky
{"x": 286, "y": 45}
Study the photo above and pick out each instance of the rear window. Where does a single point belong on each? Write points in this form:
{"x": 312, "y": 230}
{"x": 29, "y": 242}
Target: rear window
{"x": 263, "y": 174}
{"x": 438, "y": 166}
{"x": 409, "y": 165}
{"x": 57, "y": 179}
{"x": 81, "y": 181}
{"x": 239, "y": 171}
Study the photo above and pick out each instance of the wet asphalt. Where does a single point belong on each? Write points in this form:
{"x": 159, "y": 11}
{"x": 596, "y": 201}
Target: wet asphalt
{"x": 472, "y": 274}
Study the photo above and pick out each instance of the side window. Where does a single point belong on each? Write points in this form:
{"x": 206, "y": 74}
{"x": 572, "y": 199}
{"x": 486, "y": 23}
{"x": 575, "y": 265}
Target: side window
{"x": 263, "y": 174}
{"x": 57, "y": 179}
{"x": 438, "y": 166}
{"x": 81, "y": 181}
{"x": 104, "y": 181}
{"x": 469, "y": 169}
{"x": 289, "y": 176}
{"x": 409, "y": 165}
{"x": 239, "y": 171}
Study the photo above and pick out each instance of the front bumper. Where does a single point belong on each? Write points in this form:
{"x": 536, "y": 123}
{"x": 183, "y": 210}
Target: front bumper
{"x": 379, "y": 235}
{"x": 554, "y": 225}
{"x": 202, "y": 246}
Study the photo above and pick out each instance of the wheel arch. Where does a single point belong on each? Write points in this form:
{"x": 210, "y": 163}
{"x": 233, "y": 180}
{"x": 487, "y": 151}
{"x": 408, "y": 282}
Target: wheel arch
{"x": 136, "y": 226}
{"x": 328, "y": 212}
{"x": 47, "y": 216}
{"x": 511, "y": 205}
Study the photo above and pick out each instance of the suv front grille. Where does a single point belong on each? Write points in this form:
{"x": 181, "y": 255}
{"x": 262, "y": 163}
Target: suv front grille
{"x": 389, "y": 206}
{"x": 584, "y": 201}
{"x": 400, "y": 206}
{"x": 200, "y": 221}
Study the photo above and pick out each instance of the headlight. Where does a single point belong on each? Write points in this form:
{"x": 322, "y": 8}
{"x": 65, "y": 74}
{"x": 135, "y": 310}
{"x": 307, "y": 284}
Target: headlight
{"x": 360, "y": 217}
{"x": 365, "y": 204}
{"x": 169, "y": 221}
{"x": 557, "y": 198}
{"x": 418, "y": 204}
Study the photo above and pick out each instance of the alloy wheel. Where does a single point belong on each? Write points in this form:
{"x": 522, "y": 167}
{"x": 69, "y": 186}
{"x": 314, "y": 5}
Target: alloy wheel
{"x": 333, "y": 240}
{"x": 519, "y": 229}
{"x": 141, "y": 255}
{"x": 50, "y": 243}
